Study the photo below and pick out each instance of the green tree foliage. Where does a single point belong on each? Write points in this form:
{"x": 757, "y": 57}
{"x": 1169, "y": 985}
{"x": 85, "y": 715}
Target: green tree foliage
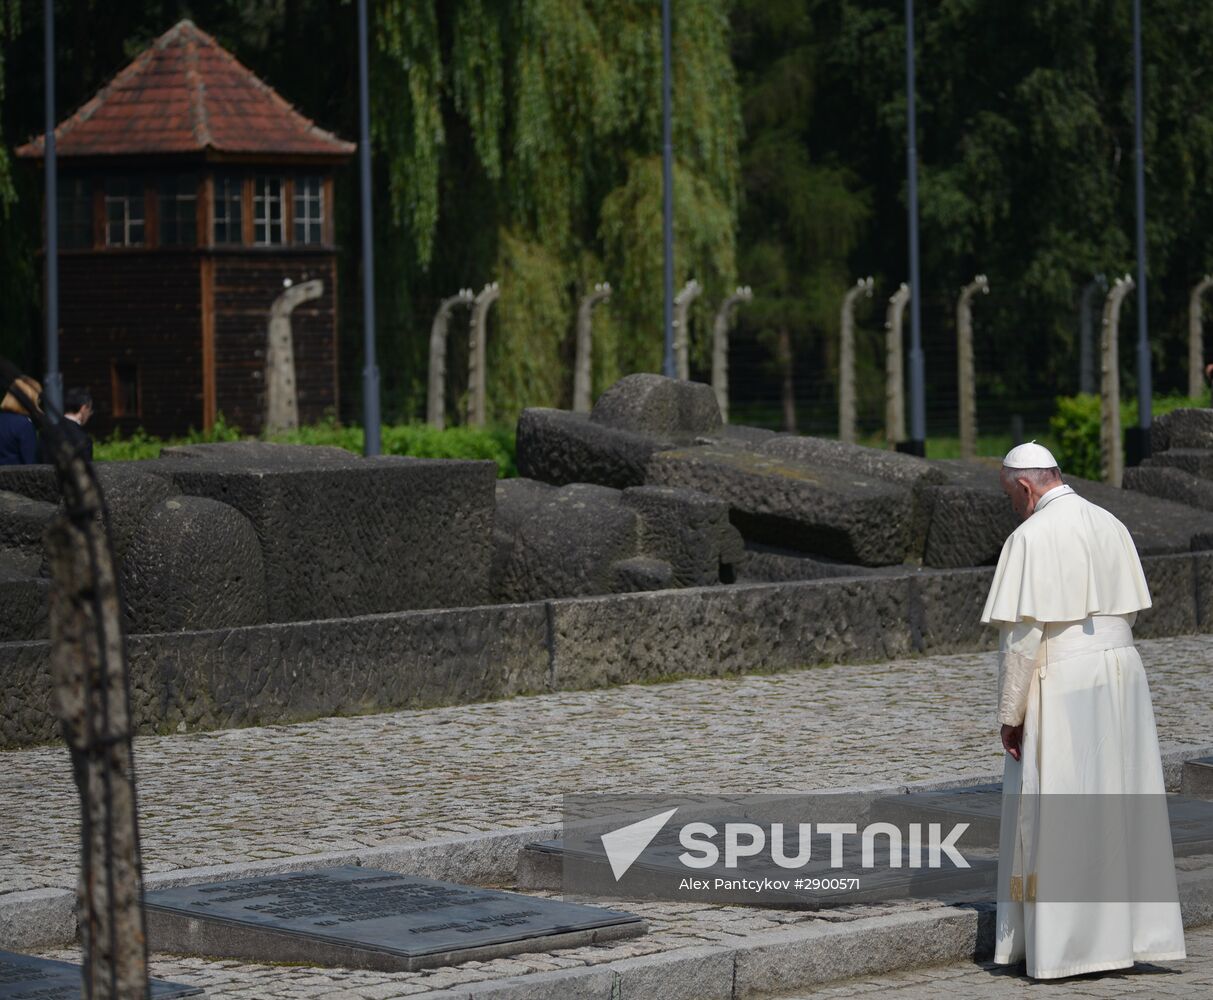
{"x": 514, "y": 142}
{"x": 804, "y": 209}
{"x": 1026, "y": 147}
{"x": 548, "y": 113}
{"x": 519, "y": 141}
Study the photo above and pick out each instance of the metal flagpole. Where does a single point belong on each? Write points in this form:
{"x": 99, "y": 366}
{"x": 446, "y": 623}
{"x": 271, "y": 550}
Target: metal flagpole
{"x": 53, "y": 382}
{"x": 667, "y": 192}
{"x": 1139, "y": 438}
{"x": 370, "y": 372}
{"x": 918, "y": 405}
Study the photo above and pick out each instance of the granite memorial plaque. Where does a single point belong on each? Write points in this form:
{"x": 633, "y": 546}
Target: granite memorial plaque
{"x": 818, "y": 883}
{"x": 364, "y": 918}
{"x": 23, "y": 977}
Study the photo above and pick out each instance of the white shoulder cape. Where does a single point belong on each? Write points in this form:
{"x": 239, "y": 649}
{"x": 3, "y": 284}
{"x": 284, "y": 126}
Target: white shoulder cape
{"x": 1068, "y": 560}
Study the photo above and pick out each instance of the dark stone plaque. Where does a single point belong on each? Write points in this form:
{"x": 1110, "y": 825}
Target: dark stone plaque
{"x": 579, "y": 864}
{"x": 23, "y": 977}
{"x": 364, "y": 918}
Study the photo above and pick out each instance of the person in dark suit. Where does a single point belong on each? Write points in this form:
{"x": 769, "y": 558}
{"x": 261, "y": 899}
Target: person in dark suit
{"x": 18, "y": 439}
{"x": 77, "y": 408}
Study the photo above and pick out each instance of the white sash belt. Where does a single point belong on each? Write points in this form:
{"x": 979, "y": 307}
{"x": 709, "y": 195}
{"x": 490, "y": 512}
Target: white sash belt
{"x": 1066, "y": 639}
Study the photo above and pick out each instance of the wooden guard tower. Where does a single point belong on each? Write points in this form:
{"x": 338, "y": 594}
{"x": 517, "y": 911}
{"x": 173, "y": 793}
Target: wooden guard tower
{"x": 190, "y": 195}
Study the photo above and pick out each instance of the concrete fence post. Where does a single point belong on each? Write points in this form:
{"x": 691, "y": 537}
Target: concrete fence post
{"x": 846, "y": 359}
{"x": 1111, "y": 450}
{"x": 682, "y": 333}
{"x": 583, "y": 364}
{"x": 966, "y": 376}
{"x": 435, "y": 397}
{"x": 720, "y": 347}
{"x": 477, "y": 405}
{"x": 1196, "y": 346}
{"x": 894, "y": 367}
{"x": 281, "y": 388}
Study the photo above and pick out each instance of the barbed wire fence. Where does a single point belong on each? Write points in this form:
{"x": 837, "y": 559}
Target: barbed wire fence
{"x": 91, "y": 684}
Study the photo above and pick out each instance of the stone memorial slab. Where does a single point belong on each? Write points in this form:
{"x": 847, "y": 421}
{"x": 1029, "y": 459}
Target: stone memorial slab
{"x": 23, "y": 977}
{"x": 365, "y": 918}
{"x": 657, "y": 873}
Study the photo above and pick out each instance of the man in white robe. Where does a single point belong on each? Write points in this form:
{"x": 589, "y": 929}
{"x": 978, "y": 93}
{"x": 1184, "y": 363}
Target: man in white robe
{"x": 1076, "y": 721}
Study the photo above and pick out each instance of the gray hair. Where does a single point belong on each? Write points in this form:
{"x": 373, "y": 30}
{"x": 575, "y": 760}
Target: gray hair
{"x": 1039, "y": 478}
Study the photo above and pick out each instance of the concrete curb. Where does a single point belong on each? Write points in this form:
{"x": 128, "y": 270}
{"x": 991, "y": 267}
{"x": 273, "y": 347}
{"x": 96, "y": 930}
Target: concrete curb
{"x": 776, "y": 962}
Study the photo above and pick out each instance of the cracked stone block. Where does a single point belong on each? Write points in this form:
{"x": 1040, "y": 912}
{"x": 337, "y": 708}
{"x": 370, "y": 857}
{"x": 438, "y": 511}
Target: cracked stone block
{"x": 564, "y": 541}
{"x": 791, "y": 504}
{"x": 35, "y": 481}
{"x": 1159, "y": 525}
{"x": 193, "y": 564}
{"x": 1189, "y": 428}
{"x": 908, "y": 470}
{"x": 970, "y": 517}
{"x": 766, "y": 564}
{"x": 22, "y": 522}
{"x": 342, "y": 535}
{"x": 642, "y": 573}
{"x": 1170, "y": 483}
{"x": 690, "y": 531}
{"x": 1194, "y": 461}
{"x": 559, "y": 447}
{"x": 23, "y": 604}
{"x": 658, "y": 406}
{"x": 131, "y": 490}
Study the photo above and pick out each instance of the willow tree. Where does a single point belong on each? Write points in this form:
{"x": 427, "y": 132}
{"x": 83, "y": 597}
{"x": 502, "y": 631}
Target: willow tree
{"x": 804, "y": 212}
{"x": 522, "y": 141}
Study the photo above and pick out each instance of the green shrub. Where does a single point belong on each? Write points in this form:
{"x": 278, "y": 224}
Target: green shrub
{"x": 1075, "y": 427}
{"x": 417, "y": 440}
{"x": 140, "y": 444}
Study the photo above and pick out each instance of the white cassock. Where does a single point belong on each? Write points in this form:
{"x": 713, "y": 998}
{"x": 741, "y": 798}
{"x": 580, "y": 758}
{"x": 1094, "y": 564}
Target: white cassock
{"x": 1065, "y": 595}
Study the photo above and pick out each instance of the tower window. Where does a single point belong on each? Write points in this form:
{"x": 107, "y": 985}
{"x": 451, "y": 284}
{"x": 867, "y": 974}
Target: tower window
{"x": 75, "y": 212}
{"x": 228, "y": 220}
{"x": 309, "y": 210}
{"x": 124, "y": 212}
{"x": 178, "y": 210}
{"x": 267, "y": 211}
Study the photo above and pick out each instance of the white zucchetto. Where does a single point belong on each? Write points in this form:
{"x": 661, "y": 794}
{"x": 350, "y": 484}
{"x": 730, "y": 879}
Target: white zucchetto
{"x": 1030, "y": 456}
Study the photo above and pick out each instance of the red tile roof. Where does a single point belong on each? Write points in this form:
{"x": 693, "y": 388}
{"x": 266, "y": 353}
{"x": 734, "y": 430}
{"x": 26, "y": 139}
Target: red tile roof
{"x": 184, "y": 94}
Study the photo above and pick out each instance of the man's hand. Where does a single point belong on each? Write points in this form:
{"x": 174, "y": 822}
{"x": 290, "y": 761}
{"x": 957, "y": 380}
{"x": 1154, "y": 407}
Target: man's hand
{"x": 1012, "y": 737}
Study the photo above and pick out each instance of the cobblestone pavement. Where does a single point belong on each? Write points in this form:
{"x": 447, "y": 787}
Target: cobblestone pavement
{"x": 1191, "y": 979}
{"x": 409, "y": 777}
{"x": 671, "y": 926}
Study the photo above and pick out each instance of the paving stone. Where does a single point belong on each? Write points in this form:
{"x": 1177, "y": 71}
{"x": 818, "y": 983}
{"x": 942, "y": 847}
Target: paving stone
{"x": 370, "y": 782}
